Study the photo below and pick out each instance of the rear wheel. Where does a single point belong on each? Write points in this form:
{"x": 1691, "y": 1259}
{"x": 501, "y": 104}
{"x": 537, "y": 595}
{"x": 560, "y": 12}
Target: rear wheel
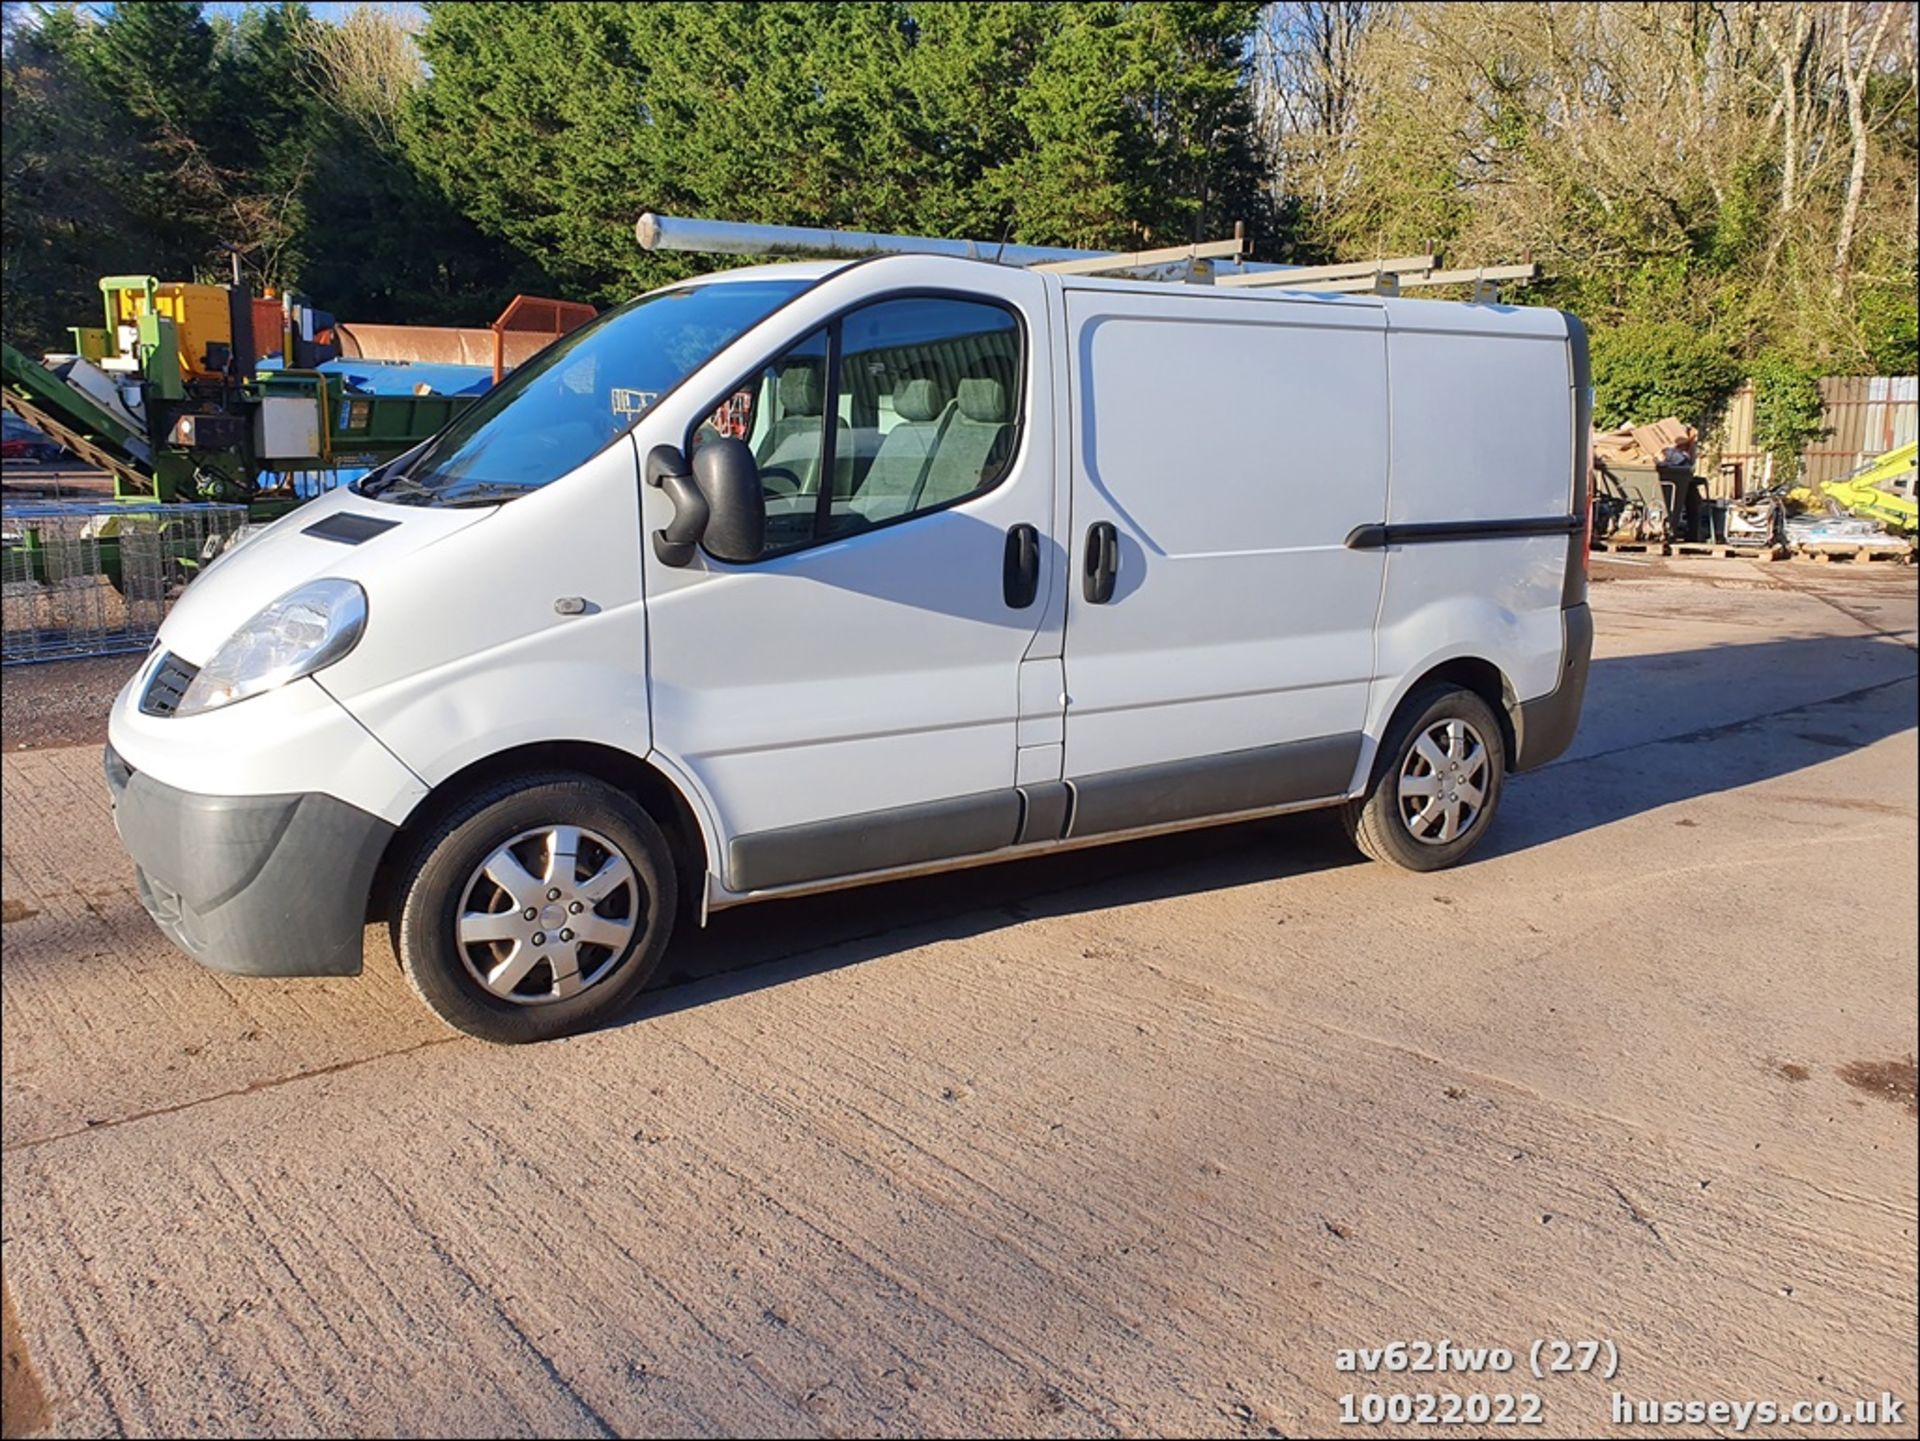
{"x": 536, "y": 908}
{"x": 1436, "y": 782}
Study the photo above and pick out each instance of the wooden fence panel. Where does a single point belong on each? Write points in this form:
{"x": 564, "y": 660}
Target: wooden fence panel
{"x": 1866, "y": 415}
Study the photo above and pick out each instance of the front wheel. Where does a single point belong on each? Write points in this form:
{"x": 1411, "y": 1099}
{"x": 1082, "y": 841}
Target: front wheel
{"x": 536, "y": 908}
{"x": 1435, "y": 784}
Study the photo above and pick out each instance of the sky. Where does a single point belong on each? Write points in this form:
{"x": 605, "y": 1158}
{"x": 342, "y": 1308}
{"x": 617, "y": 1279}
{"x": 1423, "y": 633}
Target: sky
{"x": 19, "y": 14}
{"x": 332, "y": 13}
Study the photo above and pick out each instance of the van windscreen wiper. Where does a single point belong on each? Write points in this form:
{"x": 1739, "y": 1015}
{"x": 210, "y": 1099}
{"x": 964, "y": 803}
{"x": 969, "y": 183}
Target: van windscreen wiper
{"x": 484, "y": 492}
{"x": 399, "y": 488}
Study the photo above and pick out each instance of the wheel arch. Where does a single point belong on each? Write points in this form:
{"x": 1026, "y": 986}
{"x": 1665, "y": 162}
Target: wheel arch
{"x": 1470, "y": 672}
{"x": 1484, "y": 679}
{"x": 630, "y": 774}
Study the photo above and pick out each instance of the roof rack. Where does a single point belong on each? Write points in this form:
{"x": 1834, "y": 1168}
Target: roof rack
{"x": 1208, "y": 262}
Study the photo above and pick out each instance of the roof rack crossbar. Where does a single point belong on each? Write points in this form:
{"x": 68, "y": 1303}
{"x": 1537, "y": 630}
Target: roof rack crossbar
{"x": 1129, "y": 260}
{"x": 1314, "y": 275}
{"x": 1478, "y": 275}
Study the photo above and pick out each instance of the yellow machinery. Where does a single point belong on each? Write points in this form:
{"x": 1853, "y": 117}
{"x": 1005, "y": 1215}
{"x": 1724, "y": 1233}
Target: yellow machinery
{"x": 1883, "y": 490}
{"x": 144, "y": 314}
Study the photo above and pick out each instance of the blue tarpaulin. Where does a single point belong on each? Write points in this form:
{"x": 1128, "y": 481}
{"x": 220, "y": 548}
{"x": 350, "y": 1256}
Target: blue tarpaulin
{"x": 402, "y": 377}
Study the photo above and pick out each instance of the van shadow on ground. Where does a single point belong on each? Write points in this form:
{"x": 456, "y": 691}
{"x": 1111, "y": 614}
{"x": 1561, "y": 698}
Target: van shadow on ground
{"x": 1658, "y": 730}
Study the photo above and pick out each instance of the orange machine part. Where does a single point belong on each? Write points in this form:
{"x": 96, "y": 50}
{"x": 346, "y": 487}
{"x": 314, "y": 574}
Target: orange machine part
{"x": 528, "y": 325}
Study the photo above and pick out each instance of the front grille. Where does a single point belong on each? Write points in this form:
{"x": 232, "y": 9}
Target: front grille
{"x": 170, "y": 681}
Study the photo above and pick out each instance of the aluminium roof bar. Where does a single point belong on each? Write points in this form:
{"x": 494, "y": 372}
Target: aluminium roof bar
{"x": 1348, "y": 270}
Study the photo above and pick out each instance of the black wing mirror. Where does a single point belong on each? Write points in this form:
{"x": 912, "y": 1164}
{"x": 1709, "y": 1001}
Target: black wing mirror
{"x": 667, "y": 469}
{"x": 719, "y": 503}
{"x": 729, "y": 478}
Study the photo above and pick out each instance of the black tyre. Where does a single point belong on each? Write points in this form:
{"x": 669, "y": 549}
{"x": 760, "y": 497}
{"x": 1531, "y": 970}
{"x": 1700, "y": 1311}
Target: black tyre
{"x": 1436, "y": 782}
{"x": 536, "y": 908}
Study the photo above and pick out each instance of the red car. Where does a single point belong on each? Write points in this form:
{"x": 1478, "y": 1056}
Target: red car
{"x": 28, "y": 448}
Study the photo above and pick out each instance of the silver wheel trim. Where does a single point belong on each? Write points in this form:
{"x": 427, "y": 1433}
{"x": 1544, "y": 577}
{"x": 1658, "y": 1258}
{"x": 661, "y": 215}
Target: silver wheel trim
{"x": 548, "y": 915}
{"x": 1444, "y": 782}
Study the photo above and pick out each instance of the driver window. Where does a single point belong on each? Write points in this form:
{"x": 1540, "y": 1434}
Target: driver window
{"x": 779, "y": 413}
{"x": 924, "y": 398}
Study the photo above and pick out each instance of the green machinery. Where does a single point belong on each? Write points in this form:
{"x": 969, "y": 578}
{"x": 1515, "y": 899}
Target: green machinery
{"x": 169, "y": 397}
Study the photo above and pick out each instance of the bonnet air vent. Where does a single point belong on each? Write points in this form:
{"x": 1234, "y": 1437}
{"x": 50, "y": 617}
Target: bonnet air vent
{"x": 349, "y": 529}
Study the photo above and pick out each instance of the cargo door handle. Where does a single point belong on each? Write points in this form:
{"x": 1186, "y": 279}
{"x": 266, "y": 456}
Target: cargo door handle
{"x": 1102, "y": 562}
{"x": 1020, "y": 574}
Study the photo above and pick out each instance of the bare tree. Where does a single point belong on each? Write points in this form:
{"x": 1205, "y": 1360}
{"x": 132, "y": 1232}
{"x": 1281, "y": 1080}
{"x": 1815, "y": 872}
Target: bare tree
{"x": 366, "y": 65}
{"x": 1725, "y": 161}
{"x": 1853, "y": 74}
{"x": 1307, "y": 83}
{"x": 1789, "y": 31}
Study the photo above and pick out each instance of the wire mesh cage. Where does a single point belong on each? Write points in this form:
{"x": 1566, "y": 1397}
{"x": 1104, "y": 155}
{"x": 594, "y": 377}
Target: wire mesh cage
{"x": 87, "y": 578}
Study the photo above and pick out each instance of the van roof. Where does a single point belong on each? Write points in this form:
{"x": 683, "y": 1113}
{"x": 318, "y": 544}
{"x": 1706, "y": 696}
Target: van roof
{"x": 1403, "y": 312}
{"x": 1261, "y": 292}
{"x": 777, "y": 270}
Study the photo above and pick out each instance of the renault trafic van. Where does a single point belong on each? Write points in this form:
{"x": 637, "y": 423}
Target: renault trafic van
{"x": 806, "y": 575}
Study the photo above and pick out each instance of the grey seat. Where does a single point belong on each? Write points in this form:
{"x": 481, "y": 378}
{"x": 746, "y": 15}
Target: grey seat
{"x": 899, "y": 468}
{"x": 973, "y": 447}
{"x": 792, "y": 443}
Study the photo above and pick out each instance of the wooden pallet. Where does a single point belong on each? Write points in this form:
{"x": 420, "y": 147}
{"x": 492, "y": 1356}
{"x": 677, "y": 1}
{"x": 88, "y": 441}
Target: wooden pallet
{"x": 1853, "y": 554}
{"x": 1720, "y": 550}
{"x": 1631, "y": 547}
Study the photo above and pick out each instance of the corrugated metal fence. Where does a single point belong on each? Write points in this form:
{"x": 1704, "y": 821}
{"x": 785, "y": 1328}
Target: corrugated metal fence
{"x": 1865, "y": 416}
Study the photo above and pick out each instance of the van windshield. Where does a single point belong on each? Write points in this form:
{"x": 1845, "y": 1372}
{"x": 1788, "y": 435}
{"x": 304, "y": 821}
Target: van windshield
{"x": 564, "y": 406}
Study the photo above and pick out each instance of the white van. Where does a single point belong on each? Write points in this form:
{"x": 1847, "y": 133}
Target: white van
{"x": 805, "y": 575}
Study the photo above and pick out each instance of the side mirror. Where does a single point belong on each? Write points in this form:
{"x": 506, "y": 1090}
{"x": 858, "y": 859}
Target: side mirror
{"x": 729, "y": 479}
{"x": 720, "y": 502}
{"x": 666, "y": 469}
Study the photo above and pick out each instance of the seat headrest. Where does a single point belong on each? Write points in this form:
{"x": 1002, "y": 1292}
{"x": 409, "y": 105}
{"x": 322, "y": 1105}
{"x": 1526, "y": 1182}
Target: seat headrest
{"x": 984, "y": 400}
{"x": 921, "y": 399}
{"x": 801, "y": 392}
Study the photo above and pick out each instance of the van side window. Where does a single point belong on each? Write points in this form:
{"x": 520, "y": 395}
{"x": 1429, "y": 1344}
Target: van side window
{"x": 933, "y": 384}
{"x": 779, "y": 413}
{"x": 925, "y": 406}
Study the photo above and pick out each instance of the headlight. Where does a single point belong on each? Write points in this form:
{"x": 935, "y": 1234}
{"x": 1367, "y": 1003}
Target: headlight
{"x": 298, "y": 634}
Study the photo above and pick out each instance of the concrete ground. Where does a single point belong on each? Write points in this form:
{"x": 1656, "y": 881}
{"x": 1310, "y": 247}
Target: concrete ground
{"x": 1132, "y": 1141}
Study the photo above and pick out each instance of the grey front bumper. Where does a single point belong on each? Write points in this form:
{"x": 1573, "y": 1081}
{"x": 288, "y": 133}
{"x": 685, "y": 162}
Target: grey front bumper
{"x": 254, "y": 885}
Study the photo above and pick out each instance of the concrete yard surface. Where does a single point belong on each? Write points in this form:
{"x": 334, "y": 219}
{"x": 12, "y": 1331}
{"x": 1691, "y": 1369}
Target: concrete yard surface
{"x": 1132, "y": 1141}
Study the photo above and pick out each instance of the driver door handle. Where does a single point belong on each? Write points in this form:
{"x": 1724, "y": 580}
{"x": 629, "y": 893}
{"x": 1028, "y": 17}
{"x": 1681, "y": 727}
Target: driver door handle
{"x": 1020, "y": 572}
{"x": 1102, "y": 562}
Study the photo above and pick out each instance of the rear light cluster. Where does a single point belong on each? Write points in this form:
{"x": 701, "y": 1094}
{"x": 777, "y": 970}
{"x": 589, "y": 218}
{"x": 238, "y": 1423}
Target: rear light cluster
{"x": 1586, "y": 529}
